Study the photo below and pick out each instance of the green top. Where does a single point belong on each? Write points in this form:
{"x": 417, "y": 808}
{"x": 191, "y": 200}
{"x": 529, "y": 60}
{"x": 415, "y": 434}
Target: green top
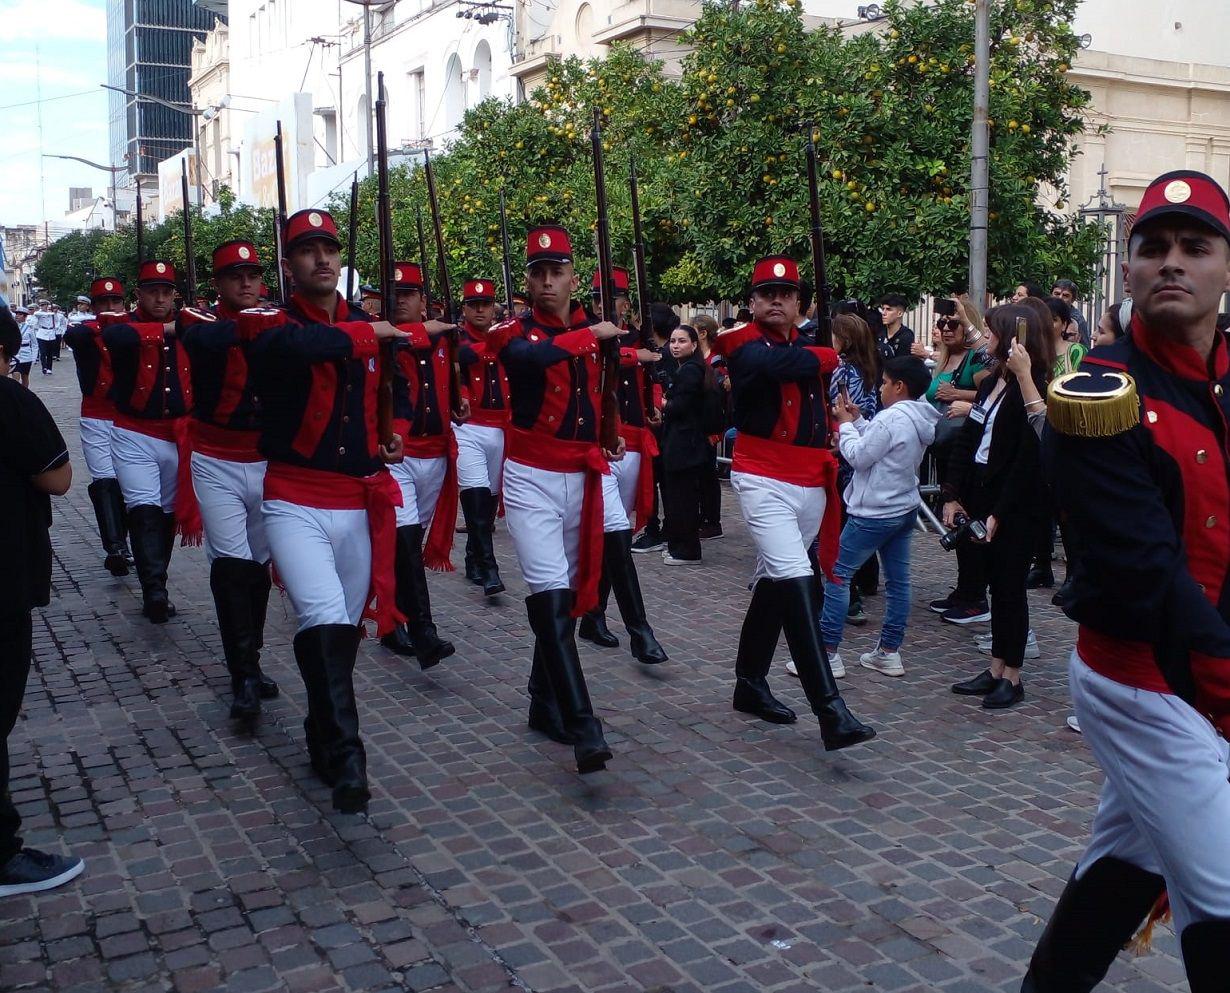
{"x": 962, "y": 377}
{"x": 1069, "y": 360}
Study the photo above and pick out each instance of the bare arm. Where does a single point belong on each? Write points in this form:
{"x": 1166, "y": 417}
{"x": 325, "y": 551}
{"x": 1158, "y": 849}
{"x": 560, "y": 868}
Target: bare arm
{"x": 54, "y": 481}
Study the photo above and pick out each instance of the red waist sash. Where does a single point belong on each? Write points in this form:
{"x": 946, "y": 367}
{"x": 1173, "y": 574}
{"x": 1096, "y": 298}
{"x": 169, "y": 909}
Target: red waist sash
{"x": 1128, "y": 662}
{"x": 225, "y": 443}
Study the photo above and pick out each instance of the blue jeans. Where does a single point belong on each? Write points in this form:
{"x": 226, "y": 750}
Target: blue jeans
{"x": 861, "y": 538}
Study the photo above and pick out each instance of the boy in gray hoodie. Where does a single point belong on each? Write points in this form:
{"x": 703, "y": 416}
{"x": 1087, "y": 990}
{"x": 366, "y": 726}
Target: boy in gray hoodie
{"x": 881, "y": 505}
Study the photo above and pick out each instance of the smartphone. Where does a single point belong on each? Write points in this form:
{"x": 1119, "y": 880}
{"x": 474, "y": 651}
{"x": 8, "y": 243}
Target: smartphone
{"x": 946, "y": 308}
{"x": 1022, "y": 330}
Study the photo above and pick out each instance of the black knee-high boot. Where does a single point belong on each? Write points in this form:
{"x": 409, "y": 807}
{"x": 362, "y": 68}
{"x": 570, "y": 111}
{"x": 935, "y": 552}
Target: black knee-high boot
{"x": 108, "y": 502}
{"x": 1206, "y": 955}
{"x": 620, "y": 568}
{"x": 544, "y": 711}
{"x": 762, "y": 626}
{"x": 593, "y": 625}
{"x": 468, "y": 498}
{"x": 490, "y": 568}
{"x": 230, "y": 581}
{"x": 800, "y": 606}
{"x": 420, "y": 637}
{"x": 1095, "y": 917}
{"x": 553, "y": 626}
{"x": 326, "y": 657}
{"x": 261, "y": 583}
{"x": 151, "y": 555}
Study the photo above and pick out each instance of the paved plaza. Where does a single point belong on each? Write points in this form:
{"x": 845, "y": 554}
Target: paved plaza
{"x": 716, "y": 854}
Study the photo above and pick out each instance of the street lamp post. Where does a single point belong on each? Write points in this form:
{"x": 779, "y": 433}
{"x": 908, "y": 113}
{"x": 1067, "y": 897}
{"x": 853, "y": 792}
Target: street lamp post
{"x": 367, "y": 68}
{"x": 979, "y": 187}
{"x": 183, "y": 108}
{"x": 105, "y": 168}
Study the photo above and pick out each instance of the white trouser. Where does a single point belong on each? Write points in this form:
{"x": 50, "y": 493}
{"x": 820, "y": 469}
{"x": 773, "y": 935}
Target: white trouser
{"x": 146, "y": 469}
{"x": 480, "y": 456}
{"x": 543, "y": 512}
{"x": 230, "y": 496}
{"x": 323, "y": 559}
{"x": 619, "y": 493}
{"x": 783, "y": 520}
{"x": 96, "y": 447}
{"x": 1165, "y": 806}
{"x": 420, "y": 481}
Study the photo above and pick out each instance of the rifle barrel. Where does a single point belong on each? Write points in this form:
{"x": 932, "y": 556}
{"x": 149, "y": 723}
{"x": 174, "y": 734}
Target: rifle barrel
{"x": 608, "y": 431}
{"x": 140, "y": 229}
{"x": 384, "y": 226}
{"x": 279, "y": 220}
{"x": 189, "y": 257}
{"x": 819, "y": 273}
{"x": 508, "y": 281}
{"x": 352, "y": 238}
{"x": 446, "y": 293}
{"x": 642, "y": 282}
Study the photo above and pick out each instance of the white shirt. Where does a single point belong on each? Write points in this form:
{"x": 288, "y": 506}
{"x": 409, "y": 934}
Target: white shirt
{"x": 29, "y": 343}
{"x": 78, "y": 316}
{"x": 984, "y": 444}
{"x": 45, "y": 325}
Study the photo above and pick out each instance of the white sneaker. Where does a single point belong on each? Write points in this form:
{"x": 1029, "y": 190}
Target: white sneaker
{"x": 839, "y": 670}
{"x": 1032, "y": 651}
{"x": 669, "y": 559}
{"x": 888, "y": 663}
{"x": 1074, "y": 724}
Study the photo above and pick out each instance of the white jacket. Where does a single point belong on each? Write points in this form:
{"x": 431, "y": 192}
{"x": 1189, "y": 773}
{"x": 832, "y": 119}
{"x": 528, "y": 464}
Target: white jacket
{"x": 884, "y": 454}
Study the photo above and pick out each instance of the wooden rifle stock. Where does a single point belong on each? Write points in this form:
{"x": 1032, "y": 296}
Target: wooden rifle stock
{"x": 446, "y": 293}
{"x": 189, "y": 257}
{"x": 824, "y": 331}
{"x": 608, "y": 426}
{"x": 642, "y": 286}
{"x": 388, "y": 293}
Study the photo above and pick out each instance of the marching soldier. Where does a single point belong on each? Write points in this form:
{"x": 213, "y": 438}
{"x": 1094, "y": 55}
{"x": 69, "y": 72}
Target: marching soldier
{"x": 98, "y": 421}
{"x": 627, "y": 496}
{"x": 553, "y": 485}
{"x": 785, "y": 478}
{"x": 428, "y": 473}
{"x": 1141, "y": 429}
{"x": 329, "y": 502}
{"x": 480, "y": 440}
{"x": 228, "y": 474}
{"x": 152, "y": 390}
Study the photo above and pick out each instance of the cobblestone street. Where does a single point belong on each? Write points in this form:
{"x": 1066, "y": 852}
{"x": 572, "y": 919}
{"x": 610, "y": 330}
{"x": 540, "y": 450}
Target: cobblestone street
{"x": 717, "y": 854}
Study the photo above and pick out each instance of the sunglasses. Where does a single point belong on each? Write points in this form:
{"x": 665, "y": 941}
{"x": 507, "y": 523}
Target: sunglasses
{"x": 948, "y": 324}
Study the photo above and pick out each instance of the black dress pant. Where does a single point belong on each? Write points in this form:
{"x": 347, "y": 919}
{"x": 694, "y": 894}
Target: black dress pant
{"x": 46, "y": 353}
{"x": 16, "y": 647}
{"x": 1005, "y": 562}
{"x": 681, "y": 499}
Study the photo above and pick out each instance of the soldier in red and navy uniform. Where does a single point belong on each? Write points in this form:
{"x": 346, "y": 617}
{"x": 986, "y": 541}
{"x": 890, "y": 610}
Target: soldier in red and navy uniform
{"x": 480, "y": 440}
{"x": 427, "y": 475}
{"x": 94, "y": 376}
{"x": 785, "y": 478}
{"x": 228, "y": 473}
{"x": 329, "y": 502}
{"x": 553, "y": 473}
{"x": 152, "y": 391}
{"x": 627, "y": 496}
{"x": 1138, "y": 455}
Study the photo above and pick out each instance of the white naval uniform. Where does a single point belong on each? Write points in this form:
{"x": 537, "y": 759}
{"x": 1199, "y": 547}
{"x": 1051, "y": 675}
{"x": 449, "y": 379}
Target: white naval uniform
{"x": 1165, "y": 806}
{"x": 783, "y": 520}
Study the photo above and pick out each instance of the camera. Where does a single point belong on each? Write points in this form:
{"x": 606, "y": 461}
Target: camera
{"x": 963, "y": 528}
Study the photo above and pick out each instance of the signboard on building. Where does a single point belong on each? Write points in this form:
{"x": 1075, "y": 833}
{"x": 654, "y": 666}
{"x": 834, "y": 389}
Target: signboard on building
{"x": 170, "y": 183}
{"x": 258, "y": 159}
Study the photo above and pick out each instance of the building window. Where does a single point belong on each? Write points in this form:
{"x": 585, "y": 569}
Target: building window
{"x": 418, "y": 101}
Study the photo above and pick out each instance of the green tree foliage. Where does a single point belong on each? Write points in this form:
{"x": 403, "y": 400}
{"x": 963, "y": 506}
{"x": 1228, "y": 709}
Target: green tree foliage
{"x": 67, "y": 266}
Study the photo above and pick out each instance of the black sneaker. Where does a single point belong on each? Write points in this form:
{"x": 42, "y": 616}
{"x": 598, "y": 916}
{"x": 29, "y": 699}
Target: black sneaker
{"x": 710, "y": 532}
{"x": 32, "y": 871}
{"x": 967, "y": 613}
{"x": 945, "y": 603}
{"x": 649, "y": 541}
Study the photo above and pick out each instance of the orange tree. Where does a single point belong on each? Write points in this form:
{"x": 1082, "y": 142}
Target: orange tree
{"x": 893, "y": 109}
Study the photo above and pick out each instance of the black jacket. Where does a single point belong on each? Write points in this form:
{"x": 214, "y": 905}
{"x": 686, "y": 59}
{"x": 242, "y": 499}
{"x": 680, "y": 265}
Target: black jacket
{"x": 684, "y": 445}
{"x": 1012, "y": 483}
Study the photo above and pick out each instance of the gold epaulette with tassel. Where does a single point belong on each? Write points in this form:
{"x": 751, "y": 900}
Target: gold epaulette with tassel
{"x": 1093, "y": 405}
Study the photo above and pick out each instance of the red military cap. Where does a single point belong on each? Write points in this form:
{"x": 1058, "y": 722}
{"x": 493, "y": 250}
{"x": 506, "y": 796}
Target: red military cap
{"x": 776, "y": 270}
{"x": 547, "y": 243}
{"x": 478, "y": 289}
{"x": 155, "y": 272}
{"x": 108, "y": 286}
{"x": 235, "y": 255}
{"x": 304, "y": 225}
{"x": 407, "y": 275}
{"x": 619, "y": 276}
{"x": 1192, "y": 194}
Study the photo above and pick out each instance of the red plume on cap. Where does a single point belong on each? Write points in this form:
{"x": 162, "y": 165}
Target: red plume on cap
{"x": 547, "y": 243}
{"x": 619, "y": 276}
{"x": 154, "y": 272}
{"x": 1192, "y": 194}
{"x": 407, "y": 275}
{"x": 235, "y": 255}
{"x": 107, "y": 286}
{"x": 304, "y": 225}
{"x": 478, "y": 289}
{"x": 776, "y": 270}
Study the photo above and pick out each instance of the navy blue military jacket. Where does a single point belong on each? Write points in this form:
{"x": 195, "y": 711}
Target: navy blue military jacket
{"x": 152, "y": 379}
{"x": 317, "y": 382}
{"x": 1149, "y": 511}
{"x": 222, "y": 387}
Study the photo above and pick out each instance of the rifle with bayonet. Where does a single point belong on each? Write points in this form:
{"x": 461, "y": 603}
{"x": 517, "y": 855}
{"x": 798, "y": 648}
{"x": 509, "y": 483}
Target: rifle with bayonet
{"x": 642, "y": 286}
{"x": 189, "y": 256}
{"x": 446, "y": 293}
{"x": 388, "y": 292}
{"x": 508, "y": 281}
{"x": 608, "y": 425}
{"x": 279, "y": 222}
{"x": 824, "y": 331}
{"x": 418, "y": 220}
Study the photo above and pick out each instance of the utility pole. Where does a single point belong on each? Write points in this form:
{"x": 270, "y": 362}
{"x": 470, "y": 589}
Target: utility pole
{"x": 979, "y": 187}
{"x": 367, "y": 66}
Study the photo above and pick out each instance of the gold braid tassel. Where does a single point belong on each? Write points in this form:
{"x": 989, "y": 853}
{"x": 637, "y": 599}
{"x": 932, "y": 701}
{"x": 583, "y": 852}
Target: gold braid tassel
{"x": 1160, "y": 914}
{"x": 1084, "y": 413}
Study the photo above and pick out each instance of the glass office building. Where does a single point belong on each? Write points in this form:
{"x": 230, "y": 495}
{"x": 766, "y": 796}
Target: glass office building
{"x": 149, "y": 46}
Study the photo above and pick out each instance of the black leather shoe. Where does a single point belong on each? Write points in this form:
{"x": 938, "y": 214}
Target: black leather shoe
{"x": 1040, "y": 578}
{"x": 1062, "y": 595}
{"x": 247, "y": 703}
{"x": 1006, "y": 694}
{"x": 266, "y": 687}
{"x": 398, "y": 642}
{"x": 593, "y": 629}
{"x": 752, "y": 696}
{"x": 980, "y": 685}
{"x": 839, "y": 728}
{"x": 1205, "y": 945}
